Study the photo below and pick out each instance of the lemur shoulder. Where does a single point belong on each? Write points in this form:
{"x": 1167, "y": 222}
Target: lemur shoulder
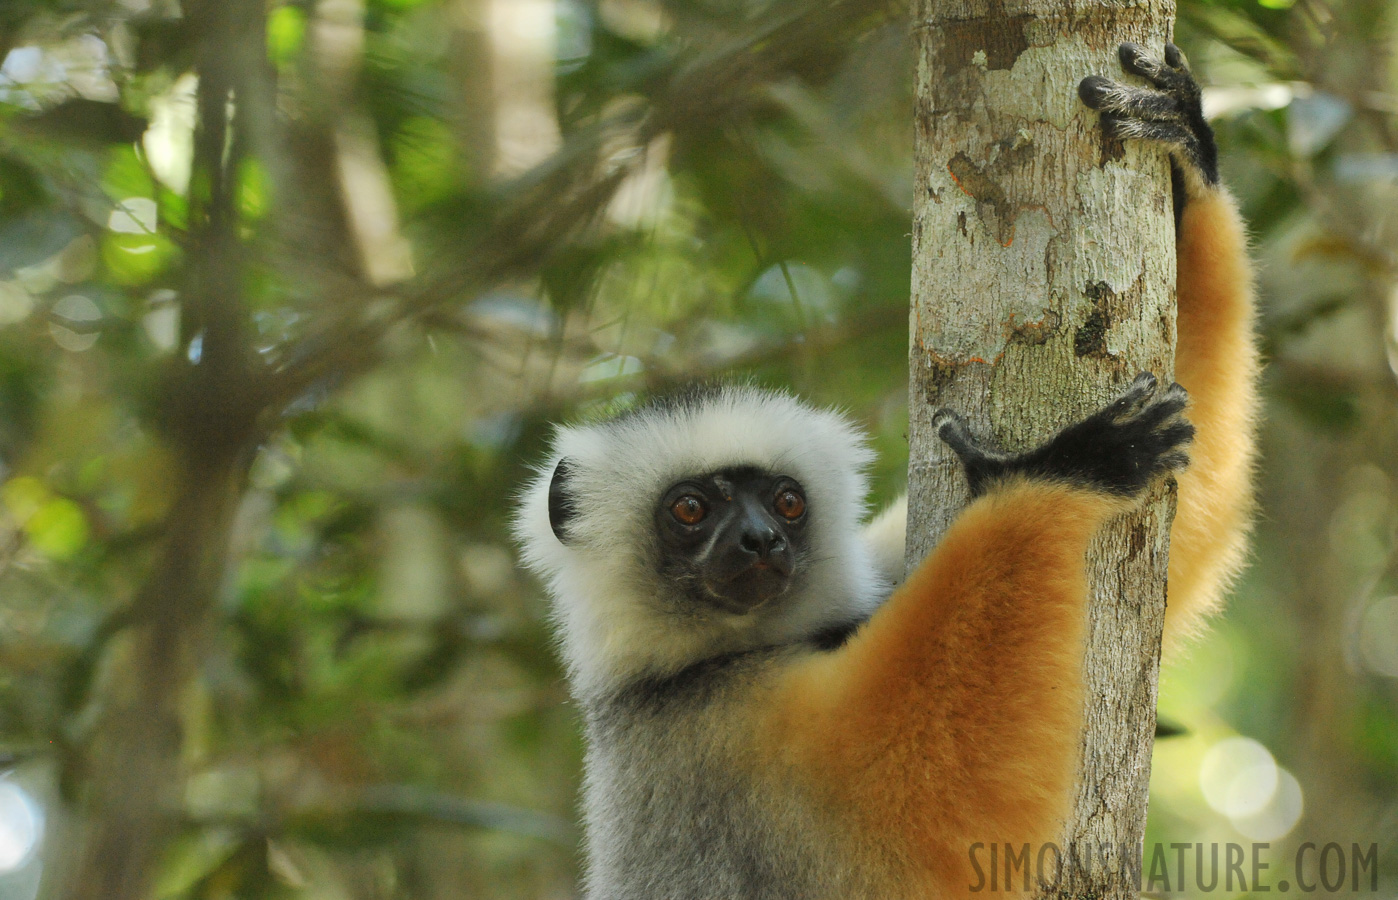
{"x": 764, "y": 718}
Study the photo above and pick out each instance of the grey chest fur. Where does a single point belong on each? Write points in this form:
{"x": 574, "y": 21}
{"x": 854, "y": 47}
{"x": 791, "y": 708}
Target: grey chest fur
{"x": 673, "y": 810}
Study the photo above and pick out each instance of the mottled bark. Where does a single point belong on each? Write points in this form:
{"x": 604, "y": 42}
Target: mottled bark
{"x": 1043, "y": 281}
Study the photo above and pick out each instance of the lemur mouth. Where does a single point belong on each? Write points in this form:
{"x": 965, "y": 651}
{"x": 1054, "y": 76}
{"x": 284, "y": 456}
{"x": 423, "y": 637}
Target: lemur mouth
{"x": 751, "y": 588}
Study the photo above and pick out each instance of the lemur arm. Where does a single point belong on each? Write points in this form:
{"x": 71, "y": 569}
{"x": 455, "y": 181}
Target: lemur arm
{"x": 952, "y": 716}
{"x": 1216, "y": 359}
{"x": 1216, "y": 356}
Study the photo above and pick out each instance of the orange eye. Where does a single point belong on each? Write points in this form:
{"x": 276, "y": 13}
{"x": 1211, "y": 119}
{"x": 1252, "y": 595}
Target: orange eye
{"x": 790, "y": 505}
{"x": 689, "y": 510}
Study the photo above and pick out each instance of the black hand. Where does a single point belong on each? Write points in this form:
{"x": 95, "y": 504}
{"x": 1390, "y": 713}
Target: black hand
{"x": 1170, "y": 112}
{"x": 1119, "y": 450}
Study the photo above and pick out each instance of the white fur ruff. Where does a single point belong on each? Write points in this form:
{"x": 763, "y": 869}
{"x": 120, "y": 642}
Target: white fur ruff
{"x": 614, "y": 616}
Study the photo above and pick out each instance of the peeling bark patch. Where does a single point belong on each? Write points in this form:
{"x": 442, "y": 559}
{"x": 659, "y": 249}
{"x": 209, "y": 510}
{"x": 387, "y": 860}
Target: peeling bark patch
{"x": 939, "y": 374}
{"x": 994, "y": 210}
{"x": 1112, "y": 149}
{"x": 961, "y": 224}
{"x": 1091, "y": 338}
{"x": 972, "y": 179}
{"x": 1001, "y": 38}
{"x": 1033, "y": 333}
{"x": 1136, "y": 540}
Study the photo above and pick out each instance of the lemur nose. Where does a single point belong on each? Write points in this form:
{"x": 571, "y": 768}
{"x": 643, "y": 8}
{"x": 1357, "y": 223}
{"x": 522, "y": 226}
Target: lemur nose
{"x": 762, "y": 543}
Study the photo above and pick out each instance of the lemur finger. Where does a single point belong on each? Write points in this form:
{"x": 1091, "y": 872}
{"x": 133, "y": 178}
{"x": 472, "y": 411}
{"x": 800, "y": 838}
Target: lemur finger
{"x": 1137, "y": 61}
{"x": 1132, "y": 399}
{"x": 1170, "y": 443}
{"x": 1178, "y": 137}
{"x": 1109, "y": 96}
{"x": 951, "y": 428}
{"x": 1172, "y": 462}
{"x": 1183, "y": 141}
{"x": 1175, "y": 58}
{"x": 1176, "y": 435}
{"x": 1159, "y": 418}
{"x": 1168, "y": 406}
{"x": 1175, "y": 396}
{"x": 1144, "y": 381}
{"x": 956, "y": 434}
{"x": 982, "y": 465}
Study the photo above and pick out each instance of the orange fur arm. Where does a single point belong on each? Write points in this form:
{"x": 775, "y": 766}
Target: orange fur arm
{"x": 952, "y": 716}
{"x": 1216, "y": 360}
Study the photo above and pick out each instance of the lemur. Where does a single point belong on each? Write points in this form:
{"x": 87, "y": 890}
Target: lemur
{"x": 764, "y": 718}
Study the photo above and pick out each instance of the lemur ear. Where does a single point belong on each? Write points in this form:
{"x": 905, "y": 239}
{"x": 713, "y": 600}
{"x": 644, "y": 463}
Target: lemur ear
{"x": 562, "y": 507}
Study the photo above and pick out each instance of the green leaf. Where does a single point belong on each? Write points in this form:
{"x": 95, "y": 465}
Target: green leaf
{"x": 253, "y": 189}
{"x": 286, "y": 32}
{"x": 134, "y": 259}
{"x": 425, "y": 165}
{"x": 126, "y": 176}
{"x": 59, "y": 529}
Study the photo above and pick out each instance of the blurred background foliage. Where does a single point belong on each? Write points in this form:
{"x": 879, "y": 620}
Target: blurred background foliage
{"x": 289, "y": 291}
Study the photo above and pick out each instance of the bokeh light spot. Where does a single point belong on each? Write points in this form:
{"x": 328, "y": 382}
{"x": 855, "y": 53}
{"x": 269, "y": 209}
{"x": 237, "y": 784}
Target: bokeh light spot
{"x": 21, "y": 826}
{"x": 1238, "y": 777}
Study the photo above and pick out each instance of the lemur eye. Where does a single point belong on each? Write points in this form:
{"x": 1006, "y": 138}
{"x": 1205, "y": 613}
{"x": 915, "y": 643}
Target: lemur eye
{"x": 790, "y": 504}
{"x": 689, "y": 510}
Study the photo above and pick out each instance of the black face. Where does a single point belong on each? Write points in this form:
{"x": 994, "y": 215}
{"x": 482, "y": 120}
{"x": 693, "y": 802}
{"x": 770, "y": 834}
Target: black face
{"x": 734, "y": 538}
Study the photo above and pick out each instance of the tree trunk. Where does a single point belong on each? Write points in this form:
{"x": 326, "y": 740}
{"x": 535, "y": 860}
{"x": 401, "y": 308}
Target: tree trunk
{"x": 1043, "y": 282}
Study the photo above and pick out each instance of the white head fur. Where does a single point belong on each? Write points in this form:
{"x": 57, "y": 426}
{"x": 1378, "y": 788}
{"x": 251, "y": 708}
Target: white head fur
{"x": 609, "y": 599}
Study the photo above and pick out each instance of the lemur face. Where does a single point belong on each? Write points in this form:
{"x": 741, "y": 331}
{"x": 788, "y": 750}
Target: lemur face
{"x": 733, "y": 539}
{"x": 712, "y": 521}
